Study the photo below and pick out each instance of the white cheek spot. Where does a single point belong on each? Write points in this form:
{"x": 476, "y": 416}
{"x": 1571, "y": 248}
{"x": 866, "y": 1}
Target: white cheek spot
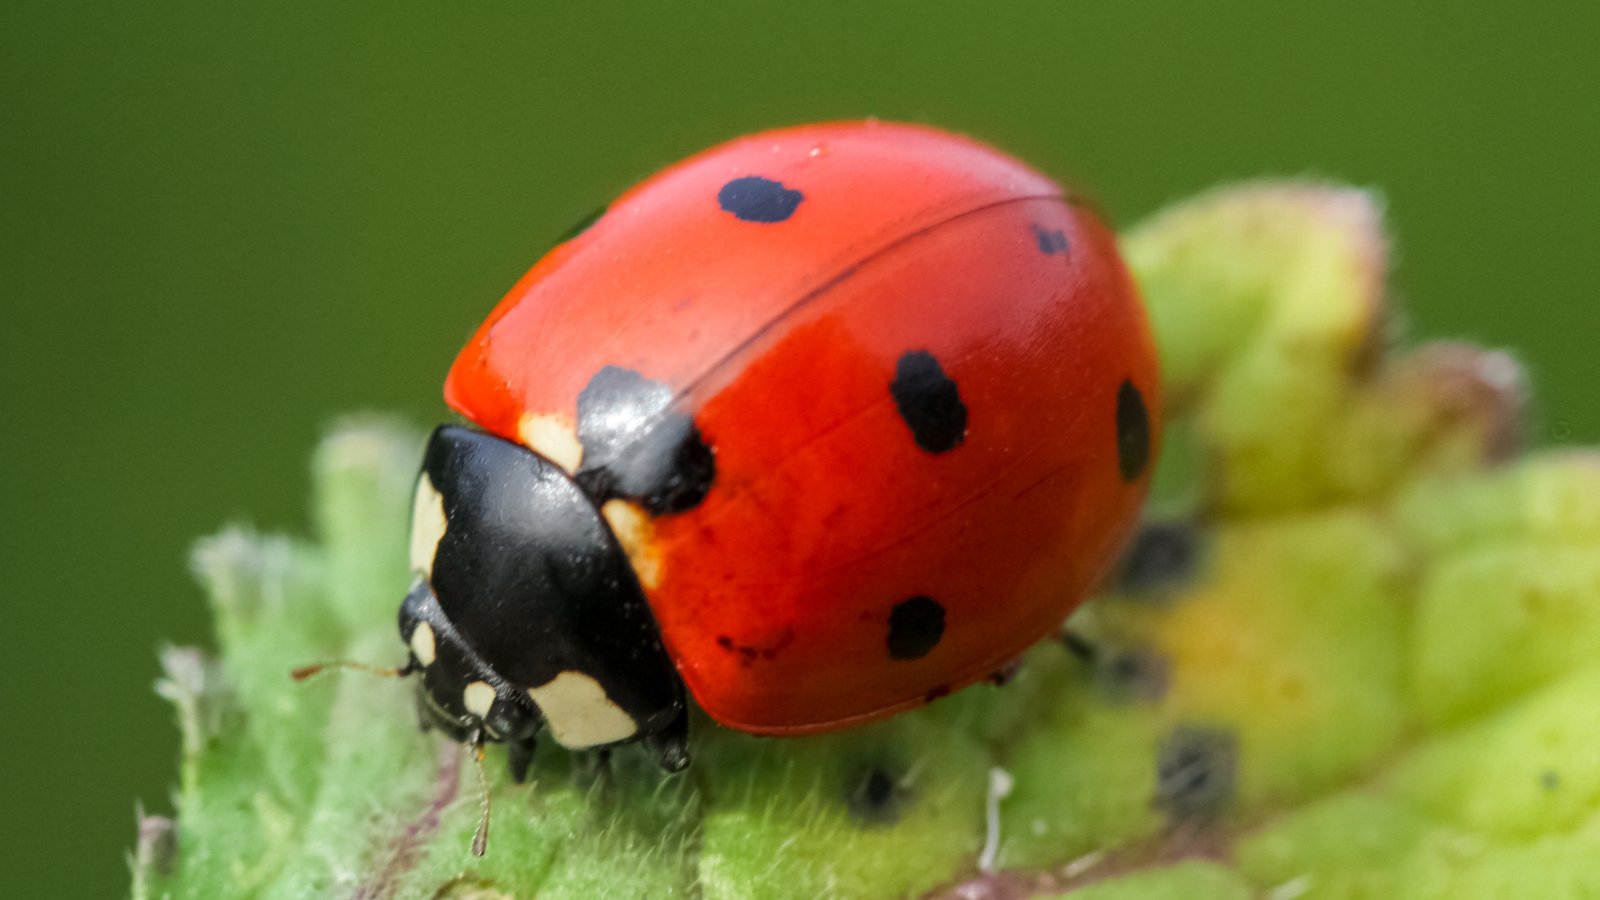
{"x": 478, "y": 698}
{"x": 423, "y": 646}
{"x": 636, "y": 534}
{"x": 428, "y": 525}
{"x": 580, "y": 714}
{"x": 553, "y": 437}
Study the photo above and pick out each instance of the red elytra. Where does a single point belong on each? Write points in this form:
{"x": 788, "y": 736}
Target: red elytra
{"x": 781, "y": 327}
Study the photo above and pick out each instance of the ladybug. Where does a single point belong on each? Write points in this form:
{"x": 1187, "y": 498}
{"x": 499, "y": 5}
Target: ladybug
{"x": 816, "y": 427}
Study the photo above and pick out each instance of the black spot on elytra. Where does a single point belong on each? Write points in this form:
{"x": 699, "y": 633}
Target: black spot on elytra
{"x": 929, "y": 402}
{"x": 1133, "y": 431}
{"x": 635, "y": 448}
{"x": 1197, "y": 773}
{"x": 915, "y": 627}
{"x": 876, "y": 798}
{"x": 582, "y": 225}
{"x": 1160, "y": 556}
{"x": 1050, "y": 240}
{"x": 756, "y": 199}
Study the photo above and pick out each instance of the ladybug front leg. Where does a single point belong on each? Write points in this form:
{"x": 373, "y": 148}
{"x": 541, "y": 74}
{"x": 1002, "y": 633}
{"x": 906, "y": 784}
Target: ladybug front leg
{"x": 592, "y": 769}
{"x": 424, "y": 717}
{"x": 1084, "y": 650}
{"x": 519, "y": 757}
{"x": 1003, "y": 675}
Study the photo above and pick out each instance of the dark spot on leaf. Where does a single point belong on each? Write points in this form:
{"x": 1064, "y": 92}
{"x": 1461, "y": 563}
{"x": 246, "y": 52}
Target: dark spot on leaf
{"x": 1133, "y": 675}
{"x": 1162, "y": 555}
{"x": 1197, "y": 772}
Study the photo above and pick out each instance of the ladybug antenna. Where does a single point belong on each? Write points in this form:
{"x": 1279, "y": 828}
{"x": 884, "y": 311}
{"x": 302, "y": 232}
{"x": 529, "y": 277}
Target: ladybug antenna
{"x": 480, "y": 838}
{"x": 306, "y": 672}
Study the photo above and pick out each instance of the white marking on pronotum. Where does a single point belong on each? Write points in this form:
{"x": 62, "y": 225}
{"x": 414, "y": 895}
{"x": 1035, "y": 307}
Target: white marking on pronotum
{"x": 553, "y": 437}
{"x": 632, "y": 528}
{"x": 1000, "y": 785}
{"x": 423, "y": 646}
{"x": 428, "y": 525}
{"x": 477, "y": 698}
{"x": 579, "y": 712}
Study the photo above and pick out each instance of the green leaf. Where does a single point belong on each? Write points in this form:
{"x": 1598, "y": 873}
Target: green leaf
{"x": 1352, "y": 658}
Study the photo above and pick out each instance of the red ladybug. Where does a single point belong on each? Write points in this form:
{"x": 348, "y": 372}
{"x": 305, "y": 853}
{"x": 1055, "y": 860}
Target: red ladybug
{"x": 822, "y": 424}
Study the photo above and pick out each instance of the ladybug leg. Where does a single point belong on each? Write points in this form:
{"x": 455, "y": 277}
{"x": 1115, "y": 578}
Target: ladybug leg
{"x": 999, "y": 677}
{"x": 424, "y": 719}
{"x": 671, "y": 744}
{"x": 1080, "y": 647}
{"x": 519, "y": 757}
{"x": 595, "y": 766}
{"x": 1122, "y": 672}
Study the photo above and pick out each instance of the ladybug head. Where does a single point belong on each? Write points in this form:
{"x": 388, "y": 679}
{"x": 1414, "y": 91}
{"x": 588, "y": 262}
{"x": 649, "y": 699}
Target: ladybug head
{"x": 458, "y": 693}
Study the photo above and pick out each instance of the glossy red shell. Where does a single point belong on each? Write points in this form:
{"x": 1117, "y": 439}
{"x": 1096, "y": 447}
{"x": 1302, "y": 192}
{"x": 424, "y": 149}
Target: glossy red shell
{"x": 781, "y": 339}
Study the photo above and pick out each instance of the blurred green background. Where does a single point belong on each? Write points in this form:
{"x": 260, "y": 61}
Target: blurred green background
{"x": 223, "y": 224}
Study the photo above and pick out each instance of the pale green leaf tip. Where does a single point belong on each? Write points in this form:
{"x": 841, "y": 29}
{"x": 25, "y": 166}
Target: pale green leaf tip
{"x": 1364, "y": 669}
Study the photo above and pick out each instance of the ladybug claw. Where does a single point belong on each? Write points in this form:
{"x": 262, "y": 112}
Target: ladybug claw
{"x": 672, "y": 745}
